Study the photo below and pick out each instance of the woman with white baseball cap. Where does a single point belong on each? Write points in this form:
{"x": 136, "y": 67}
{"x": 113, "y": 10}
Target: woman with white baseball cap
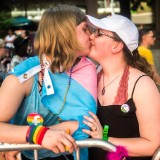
{"x": 128, "y": 100}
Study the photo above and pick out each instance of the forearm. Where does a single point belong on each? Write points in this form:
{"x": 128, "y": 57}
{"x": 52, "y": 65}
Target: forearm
{"x": 135, "y": 146}
{"x": 12, "y": 133}
{"x": 72, "y": 125}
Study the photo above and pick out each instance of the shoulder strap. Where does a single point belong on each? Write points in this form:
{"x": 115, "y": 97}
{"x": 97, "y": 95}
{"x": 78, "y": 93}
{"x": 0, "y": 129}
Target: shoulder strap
{"x": 136, "y": 83}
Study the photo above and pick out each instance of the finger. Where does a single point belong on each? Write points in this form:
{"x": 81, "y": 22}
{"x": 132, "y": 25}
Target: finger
{"x": 90, "y": 119}
{"x": 92, "y": 134}
{"x": 69, "y": 143}
{"x": 2, "y": 156}
{"x": 68, "y": 146}
{"x": 61, "y": 147}
{"x": 91, "y": 125}
{"x": 72, "y": 140}
{"x": 55, "y": 150}
{"x": 94, "y": 116}
{"x": 94, "y": 125}
{"x": 86, "y": 131}
{"x": 6, "y": 157}
{"x": 12, "y": 155}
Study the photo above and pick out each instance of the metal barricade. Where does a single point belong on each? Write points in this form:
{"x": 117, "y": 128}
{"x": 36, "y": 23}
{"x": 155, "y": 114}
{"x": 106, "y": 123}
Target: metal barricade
{"x": 156, "y": 155}
{"x": 81, "y": 143}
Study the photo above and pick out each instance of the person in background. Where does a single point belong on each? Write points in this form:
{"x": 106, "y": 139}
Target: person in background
{"x": 3, "y": 53}
{"x": 9, "y": 39}
{"x": 3, "y": 50}
{"x": 48, "y": 91}
{"x": 128, "y": 112}
{"x": 146, "y": 40}
{"x": 21, "y": 44}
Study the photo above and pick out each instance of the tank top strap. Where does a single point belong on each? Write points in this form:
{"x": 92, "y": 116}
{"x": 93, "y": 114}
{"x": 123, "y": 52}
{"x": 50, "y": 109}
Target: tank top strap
{"x": 136, "y": 83}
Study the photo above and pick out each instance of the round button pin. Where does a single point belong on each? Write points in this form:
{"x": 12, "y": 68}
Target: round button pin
{"x": 25, "y": 76}
{"x": 125, "y": 108}
{"x": 34, "y": 119}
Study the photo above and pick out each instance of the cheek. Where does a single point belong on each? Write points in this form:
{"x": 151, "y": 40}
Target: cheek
{"x": 100, "y": 47}
{"x": 98, "y": 50}
{"x": 85, "y": 42}
{"x": 153, "y": 41}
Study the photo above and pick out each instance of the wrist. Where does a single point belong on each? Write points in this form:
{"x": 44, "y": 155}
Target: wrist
{"x": 35, "y": 134}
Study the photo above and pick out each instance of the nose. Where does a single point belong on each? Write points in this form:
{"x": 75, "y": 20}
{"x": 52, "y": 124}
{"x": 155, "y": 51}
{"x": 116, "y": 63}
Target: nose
{"x": 92, "y": 37}
{"x": 88, "y": 33}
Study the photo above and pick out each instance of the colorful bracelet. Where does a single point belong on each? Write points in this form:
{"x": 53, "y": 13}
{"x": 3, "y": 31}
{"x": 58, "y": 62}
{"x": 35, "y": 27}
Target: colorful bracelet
{"x": 35, "y": 134}
{"x": 105, "y": 132}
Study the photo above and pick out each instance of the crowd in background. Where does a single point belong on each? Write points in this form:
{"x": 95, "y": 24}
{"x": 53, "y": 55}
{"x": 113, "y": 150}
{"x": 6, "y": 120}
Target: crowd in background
{"x": 18, "y": 45}
{"x": 127, "y": 96}
{"x": 14, "y": 48}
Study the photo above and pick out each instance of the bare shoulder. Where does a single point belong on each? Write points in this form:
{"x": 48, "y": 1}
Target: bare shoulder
{"x": 12, "y": 83}
{"x": 142, "y": 79}
{"x": 146, "y": 91}
{"x": 12, "y": 93}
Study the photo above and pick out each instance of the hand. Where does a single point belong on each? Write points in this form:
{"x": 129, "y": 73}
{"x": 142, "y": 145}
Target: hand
{"x": 58, "y": 140}
{"x": 10, "y": 155}
{"x": 95, "y": 126}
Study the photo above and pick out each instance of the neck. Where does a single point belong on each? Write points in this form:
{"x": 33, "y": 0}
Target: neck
{"x": 145, "y": 45}
{"x": 111, "y": 68}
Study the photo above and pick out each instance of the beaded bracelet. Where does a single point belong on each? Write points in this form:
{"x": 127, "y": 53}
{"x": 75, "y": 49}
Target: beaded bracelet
{"x": 105, "y": 133}
{"x": 35, "y": 134}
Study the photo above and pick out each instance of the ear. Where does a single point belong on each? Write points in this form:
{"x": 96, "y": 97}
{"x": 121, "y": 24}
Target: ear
{"x": 143, "y": 37}
{"x": 117, "y": 47}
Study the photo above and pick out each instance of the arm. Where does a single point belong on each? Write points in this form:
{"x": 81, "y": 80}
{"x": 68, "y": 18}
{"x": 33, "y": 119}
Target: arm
{"x": 147, "y": 101}
{"x": 71, "y": 125}
{"x": 11, "y": 95}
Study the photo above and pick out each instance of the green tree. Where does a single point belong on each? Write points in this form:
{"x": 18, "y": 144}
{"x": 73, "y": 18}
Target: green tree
{"x": 127, "y": 5}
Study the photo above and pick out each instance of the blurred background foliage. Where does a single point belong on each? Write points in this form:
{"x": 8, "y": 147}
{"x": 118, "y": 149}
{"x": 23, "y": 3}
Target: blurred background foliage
{"x": 127, "y": 8}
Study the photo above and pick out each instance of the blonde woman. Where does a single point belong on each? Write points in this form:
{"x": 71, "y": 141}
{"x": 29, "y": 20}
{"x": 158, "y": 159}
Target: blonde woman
{"x": 48, "y": 91}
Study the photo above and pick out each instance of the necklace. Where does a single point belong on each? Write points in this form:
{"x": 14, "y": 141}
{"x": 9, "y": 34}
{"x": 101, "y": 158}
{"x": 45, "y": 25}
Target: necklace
{"x": 67, "y": 88}
{"x": 68, "y": 85}
{"x": 103, "y": 89}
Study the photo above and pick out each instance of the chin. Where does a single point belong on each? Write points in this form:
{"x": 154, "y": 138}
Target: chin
{"x": 84, "y": 53}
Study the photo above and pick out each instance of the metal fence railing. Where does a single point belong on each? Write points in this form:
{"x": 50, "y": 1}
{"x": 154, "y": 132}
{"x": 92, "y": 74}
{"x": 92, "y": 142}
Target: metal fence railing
{"x": 81, "y": 143}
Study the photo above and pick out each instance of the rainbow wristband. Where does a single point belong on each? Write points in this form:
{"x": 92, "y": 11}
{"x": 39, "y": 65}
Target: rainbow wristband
{"x": 35, "y": 134}
{"x": 105, "y": 132}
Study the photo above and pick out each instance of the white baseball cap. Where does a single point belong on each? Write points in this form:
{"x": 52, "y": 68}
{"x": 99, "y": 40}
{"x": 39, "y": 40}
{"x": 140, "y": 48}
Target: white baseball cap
{"x": 121, "y": 25}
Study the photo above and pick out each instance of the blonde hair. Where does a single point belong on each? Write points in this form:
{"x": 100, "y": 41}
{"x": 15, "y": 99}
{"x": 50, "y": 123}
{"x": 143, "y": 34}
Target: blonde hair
{"x": 56, "y": 36}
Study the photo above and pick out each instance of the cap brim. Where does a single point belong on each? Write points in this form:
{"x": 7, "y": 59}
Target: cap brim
{"x": 95, "y": 22}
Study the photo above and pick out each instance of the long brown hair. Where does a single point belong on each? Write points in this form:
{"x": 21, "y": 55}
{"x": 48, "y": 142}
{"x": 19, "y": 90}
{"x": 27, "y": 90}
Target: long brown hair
{"x": 56, "y": 36}
{"x": 134, "y": 59}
